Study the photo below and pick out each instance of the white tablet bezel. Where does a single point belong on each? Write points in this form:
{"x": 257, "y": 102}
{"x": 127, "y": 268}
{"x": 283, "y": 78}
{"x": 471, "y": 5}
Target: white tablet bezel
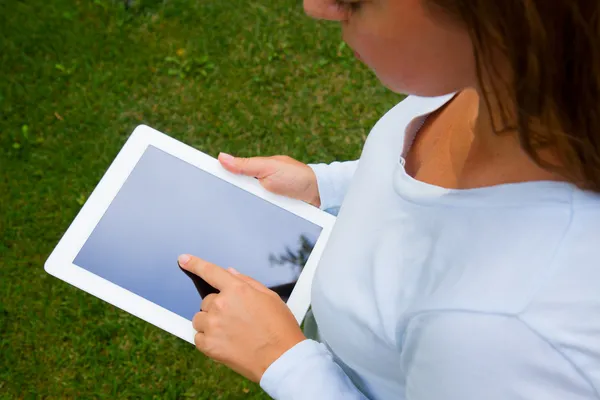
{"x": 60, "y": 262}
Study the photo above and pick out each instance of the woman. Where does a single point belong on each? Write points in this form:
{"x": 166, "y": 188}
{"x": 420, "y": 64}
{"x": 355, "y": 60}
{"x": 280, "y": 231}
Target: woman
{"x": 465, "y": 260}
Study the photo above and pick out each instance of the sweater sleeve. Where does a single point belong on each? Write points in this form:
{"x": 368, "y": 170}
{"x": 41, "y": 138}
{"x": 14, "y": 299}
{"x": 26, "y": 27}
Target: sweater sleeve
{"x": 307, "y": 372}
{"x": 333, "y": 181}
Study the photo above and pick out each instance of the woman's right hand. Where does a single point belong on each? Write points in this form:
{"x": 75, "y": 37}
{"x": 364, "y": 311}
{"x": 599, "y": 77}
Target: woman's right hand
{"x": 278, "y": 174}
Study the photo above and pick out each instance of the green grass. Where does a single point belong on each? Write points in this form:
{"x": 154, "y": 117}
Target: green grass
{"x": 77, "y": 77}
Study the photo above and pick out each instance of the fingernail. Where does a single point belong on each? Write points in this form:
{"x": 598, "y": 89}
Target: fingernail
{"x": 183, "y": 259}
{"x": 228, "y": 158}
{"x": 233, "y": 271}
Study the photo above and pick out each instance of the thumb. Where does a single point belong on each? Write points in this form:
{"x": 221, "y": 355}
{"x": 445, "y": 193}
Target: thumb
{"x": 252, "y": 282}
{"x": 258, "y": 167}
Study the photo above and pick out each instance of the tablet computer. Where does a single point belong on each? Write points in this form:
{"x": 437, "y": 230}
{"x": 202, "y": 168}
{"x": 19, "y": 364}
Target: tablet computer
{"x": 161, "y": 198}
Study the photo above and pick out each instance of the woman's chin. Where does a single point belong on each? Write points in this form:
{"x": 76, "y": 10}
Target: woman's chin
{"x": 393, "y": 84}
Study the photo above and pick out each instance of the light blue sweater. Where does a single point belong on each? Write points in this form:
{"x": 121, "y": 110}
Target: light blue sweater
{"x": 425, "y": 293}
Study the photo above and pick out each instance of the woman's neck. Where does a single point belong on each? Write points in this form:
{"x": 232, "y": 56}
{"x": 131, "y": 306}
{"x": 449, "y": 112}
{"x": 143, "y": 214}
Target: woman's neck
{"x": 492, "y": 158}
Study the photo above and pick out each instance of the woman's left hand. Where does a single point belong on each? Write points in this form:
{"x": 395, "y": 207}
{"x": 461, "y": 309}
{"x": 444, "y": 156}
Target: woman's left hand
{"x": 246, "y": 326}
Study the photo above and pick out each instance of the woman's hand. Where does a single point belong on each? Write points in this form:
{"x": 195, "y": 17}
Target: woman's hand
{"x": 246, "y": 326}
{"x": 278, "y": 174}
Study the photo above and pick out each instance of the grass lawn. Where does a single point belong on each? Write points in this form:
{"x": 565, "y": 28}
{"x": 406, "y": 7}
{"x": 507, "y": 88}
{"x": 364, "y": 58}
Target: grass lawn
{"x": 245, "y": 77}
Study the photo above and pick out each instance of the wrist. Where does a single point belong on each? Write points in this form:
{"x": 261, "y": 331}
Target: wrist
{"x": 313, "y": 189}
{"x": 274, "y": 354}
{"x": 316, "y": 200}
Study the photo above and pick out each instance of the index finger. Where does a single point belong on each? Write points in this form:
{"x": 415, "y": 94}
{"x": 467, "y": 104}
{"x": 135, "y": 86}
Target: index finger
{"x": 214, "y": 275}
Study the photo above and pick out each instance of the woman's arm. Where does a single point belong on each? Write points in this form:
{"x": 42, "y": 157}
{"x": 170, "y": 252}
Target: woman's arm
{"x": 448, "y": 355}
{"x": 333, "y": 181}
{"x": 307, "y": 371}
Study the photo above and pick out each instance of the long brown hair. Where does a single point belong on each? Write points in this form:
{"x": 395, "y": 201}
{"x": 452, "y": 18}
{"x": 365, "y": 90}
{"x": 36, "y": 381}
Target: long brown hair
{"x": 552, "y": 48}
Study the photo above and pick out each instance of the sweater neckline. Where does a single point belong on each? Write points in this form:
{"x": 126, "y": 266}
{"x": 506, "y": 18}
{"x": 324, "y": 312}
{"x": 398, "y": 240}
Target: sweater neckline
{"x": 508, "y": 194}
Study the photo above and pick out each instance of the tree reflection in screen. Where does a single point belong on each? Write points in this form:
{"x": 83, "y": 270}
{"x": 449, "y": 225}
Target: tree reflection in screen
{"x": 292, "y": 258}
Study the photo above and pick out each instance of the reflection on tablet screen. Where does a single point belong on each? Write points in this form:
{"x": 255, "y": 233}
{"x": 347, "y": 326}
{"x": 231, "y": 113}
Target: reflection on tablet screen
{"x": 168, "y": 207}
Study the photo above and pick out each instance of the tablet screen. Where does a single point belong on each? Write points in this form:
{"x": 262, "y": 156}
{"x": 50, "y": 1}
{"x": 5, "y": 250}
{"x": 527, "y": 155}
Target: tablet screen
{"x": 167, "y": 207}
